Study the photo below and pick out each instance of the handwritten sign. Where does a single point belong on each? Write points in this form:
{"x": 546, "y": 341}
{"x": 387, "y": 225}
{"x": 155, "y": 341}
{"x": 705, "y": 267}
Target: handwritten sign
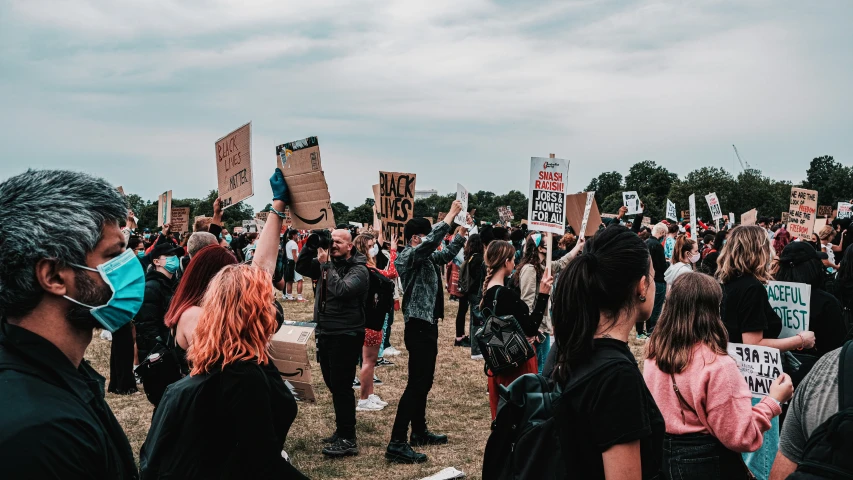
{"x": 590, "y": 197}
{"x": 791, "y": 302}
{"x": 505, "y": 214}
{"x": 692, "y": 203}
{"x": 164, "y": 208}
{"x": 801, "y": 213}
{"x": 732, "y": 219}
{"x": 462, "y": 196}
{"x": 397, "y": 202}
{"x": 714, "y": 206}
{"x": 760, "y": 366}
{"x": 180, "y": 219}
{"x": 685, "y": 215}
{"x": 546, "y": 210}
{"x": 749, "y": 218}
{"x": 234, "y": 166}
{"x": 632, "y": 201}
{"x": 262, "y": 216}
{"x": 824, "y": 210}
{"x": 845, "y": 210}
{"x": 671, "y": 212}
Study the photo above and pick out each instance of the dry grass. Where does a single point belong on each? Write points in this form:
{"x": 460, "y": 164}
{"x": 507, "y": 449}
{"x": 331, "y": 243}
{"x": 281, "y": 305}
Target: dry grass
{"x": 458, "y": 406}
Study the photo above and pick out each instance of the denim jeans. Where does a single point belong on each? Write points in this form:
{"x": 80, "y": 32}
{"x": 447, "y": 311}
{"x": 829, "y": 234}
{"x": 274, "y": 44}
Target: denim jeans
{"x": 699, "y": 456}
{"x": 542, "y": 350}
{"x": 761, "y": 460}
{"x": 386, "y": 331}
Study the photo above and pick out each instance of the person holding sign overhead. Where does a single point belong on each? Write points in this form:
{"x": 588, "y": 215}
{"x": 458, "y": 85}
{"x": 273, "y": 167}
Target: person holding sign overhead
{"x": 699, "y": 389}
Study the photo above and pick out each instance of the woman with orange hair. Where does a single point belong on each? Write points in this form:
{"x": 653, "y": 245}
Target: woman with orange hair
{"x": 231, "y": 416}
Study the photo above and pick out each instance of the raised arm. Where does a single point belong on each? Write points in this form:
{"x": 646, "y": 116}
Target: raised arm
{"x": 266, "y": 249}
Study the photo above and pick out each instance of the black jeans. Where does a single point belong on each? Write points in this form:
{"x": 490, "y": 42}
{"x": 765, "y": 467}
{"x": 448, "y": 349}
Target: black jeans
{"x": 338, "y": 356}
{"x": 122, "y": 380}
{"x": 421, "y": 339}
{"x": 699, "y": 456}
{"x": 460, "y": 316}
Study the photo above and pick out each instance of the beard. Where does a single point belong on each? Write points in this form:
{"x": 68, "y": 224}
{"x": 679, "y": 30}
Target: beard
{"x": 90, "y": 293}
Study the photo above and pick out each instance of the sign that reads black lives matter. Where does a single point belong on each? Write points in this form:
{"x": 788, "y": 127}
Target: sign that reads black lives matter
{"x": 234, "y": 166}
{"x": 397, "y": 202}
{"x": 547, "y": 208}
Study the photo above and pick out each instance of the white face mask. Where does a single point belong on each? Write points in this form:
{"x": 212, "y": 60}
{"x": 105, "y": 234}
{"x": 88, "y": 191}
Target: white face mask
{"x": 374, "y": 251}
{"x": 695, "y": 258}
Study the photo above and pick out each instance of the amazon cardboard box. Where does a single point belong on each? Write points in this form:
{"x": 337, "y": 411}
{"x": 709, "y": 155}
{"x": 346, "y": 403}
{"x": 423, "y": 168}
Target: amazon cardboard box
{"x": 310, "y": 203}
{"x": 289, "y": 352}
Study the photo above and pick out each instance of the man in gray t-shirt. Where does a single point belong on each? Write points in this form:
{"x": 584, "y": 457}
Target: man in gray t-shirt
{"x": 815, "y": 400}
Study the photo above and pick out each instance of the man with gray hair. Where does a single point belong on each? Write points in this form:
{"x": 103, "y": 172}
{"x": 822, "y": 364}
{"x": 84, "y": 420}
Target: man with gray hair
{"x": 63, "y": 272}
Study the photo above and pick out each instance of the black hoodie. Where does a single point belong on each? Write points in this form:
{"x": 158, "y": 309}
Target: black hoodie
{"x": 342, "y": 287}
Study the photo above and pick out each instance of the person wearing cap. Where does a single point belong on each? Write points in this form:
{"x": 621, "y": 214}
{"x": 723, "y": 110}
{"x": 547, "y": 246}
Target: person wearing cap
{"x": 800, "y": 263}
{"x": 159, "y": 288}
{"x": 419, "y": 267}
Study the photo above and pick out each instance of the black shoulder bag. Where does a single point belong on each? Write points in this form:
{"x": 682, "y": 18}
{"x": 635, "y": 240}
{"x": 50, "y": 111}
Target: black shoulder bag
{"x": 502, "y": 341}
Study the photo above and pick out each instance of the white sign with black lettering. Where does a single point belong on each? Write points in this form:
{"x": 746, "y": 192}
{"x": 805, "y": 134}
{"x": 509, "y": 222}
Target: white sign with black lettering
{"x": 758, "y": 365}
{"x": 671, "y": 212}
{"x": 632, "y": 201}
{"x": 547, "y": 207}
{"x": 714, "y": 206}
{"x": 462, "y": 196}
{"x": 590, "y": 196}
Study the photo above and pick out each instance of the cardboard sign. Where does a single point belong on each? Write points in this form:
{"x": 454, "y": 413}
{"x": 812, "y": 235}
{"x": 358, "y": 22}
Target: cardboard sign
{"x": 692, "y": 203}
{"x": 784, "y": 217}
{"x": 845, "y": 210}
{"x": 505, "y": 214}
{"x": 685, "y": 215}
{"x": 376, "y": 202}
{"x": 289, "y": 351}
{"x": 760, "y": 366}
{"x": 671, "y": 212}
{"x": 647, "y": 221}
{"x": 462, "y": 196}
{"x": 576, "y": 205}
{"x": 790, "y": 301}
{"x": 397, "y": 206}
{"x": 263, "y": 216}
{"x": 121, "y": 191}
{"x": 164, "y": 208}
{"x": 801, "y": 214}
{"x": 546, "y": 209}
{"x": 632, "y": 201}
{"x": 234, "y": 166}
{"x": 180, "y": 219}
{"x": 732, "y": 218}
{"x": 590, "y": 198}
{"x": 714, "y": 206}
{"x": 250, "y": 226}
{"x": 819, "y": 223}
{"x": 824, "y": 210}
{"x": 749, "y": 218}
{"x": 310, "y": 203}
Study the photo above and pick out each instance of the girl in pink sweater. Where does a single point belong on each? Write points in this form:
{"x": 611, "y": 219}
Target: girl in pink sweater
{"x": 702, "y": 395}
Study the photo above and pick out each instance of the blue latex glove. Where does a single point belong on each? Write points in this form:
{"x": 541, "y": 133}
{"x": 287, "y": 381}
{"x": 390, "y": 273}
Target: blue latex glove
{"x": 279, "y": 187}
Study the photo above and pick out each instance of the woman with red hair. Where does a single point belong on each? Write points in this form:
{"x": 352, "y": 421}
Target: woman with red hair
{"x": 230, "y": 417}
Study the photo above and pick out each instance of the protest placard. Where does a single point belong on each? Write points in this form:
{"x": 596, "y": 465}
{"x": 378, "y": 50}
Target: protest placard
{"x": 685, "y": 215}
{"x": 760, "y": 366}
{"x": 845, "y": 210}
{"x": 646, "y": 221}
{"x": 714, "y": 206}
{"x": 462, "y": 196}
{"x": 180, "y": 221}
{"x": 671, "y": 212}
{"x": 801, "y": 214}
{"x": 505, "y": 214}
{"x": 819, "y": 223}
{"x": 791, "y": 302}
{"x": 120, "y": 190}
{"x": 692, "y": 204}
{"x": 234, "y": 166}
{"x": 250, "y": 226}
{"x": 824, "y": 210}
{"x": 546, "y": 210}
{"x": 732, "y": 218}
{"x": 310, "y": 203}
{"x": 576, "y": 207}
{"x": 632, "y": 201}
{"x": 164, "y": 208}
{"x": 397, "y": 202}
{"x": 262, "y": 215}
{"x": 749, "y": 218}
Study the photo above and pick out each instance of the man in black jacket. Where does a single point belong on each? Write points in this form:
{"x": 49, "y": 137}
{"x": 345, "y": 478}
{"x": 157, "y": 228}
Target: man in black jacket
{"x": 159, "y": 288}
{"x": 342, "y": 285}
{"x": 659, "y": 263}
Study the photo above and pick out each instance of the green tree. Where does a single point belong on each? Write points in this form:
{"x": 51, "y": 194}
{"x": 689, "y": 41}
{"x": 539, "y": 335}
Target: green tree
{"x": 833, "y": 181}
{"x": 362, "y": 213}
{"x": 754, "y": 190}
{"x": 605, "y": 185}
{"x": 653, "y": 183}
{"x": 701, "y": 182}
{"x": 341, "y": 212}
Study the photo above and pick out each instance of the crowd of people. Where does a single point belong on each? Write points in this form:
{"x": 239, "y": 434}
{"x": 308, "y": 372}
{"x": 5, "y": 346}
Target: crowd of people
{"x": 191, "y": 317}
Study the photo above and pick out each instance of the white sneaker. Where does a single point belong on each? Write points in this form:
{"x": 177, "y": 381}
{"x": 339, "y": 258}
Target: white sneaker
{"x": 375, "y": 399}
{"x": 368, "y": 406}
{"x": 391, "y": 351}
{"x": 477, "y": 357}
{"x": 289, "y": 298}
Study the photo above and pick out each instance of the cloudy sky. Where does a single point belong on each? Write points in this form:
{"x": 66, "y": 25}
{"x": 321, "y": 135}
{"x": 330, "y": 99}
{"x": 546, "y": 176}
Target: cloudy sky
{"x": 456, "y": 91}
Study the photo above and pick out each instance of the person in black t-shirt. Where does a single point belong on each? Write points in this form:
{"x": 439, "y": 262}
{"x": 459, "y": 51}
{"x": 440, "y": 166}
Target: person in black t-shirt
{"x": 609, "y": 423}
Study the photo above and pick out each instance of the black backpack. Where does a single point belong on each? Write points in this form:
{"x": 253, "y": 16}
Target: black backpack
{"x": 828, "y": 453}
{"x": 161, "y": 368}
{"x": 379, "y": 301}
{"x": 465, "y": 282}
{"x": 525, "y": 440}
{"x": 502, "y": 341}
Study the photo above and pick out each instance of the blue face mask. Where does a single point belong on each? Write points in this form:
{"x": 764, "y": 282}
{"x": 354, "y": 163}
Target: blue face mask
{"x": 172, "y": 264}
{"x": 126, "y": 279}
{"x": 147, "y": 236}
{"x": 228, "y": 238}
{"x": 140, "y": 254}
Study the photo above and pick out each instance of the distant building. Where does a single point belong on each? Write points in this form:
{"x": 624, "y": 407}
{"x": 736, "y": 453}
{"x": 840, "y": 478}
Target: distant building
{"x": 422, "y": 194}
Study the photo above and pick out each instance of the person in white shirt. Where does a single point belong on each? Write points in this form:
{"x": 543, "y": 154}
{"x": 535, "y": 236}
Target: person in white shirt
{"x": 684, "y": 257}
{"x": 291, "y": 249}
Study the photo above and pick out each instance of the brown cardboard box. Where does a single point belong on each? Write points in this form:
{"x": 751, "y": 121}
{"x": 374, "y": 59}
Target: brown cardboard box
{"x": 302, "y": 391}
{"x": 289, "y": 351}
{"x": 293, "y": 371}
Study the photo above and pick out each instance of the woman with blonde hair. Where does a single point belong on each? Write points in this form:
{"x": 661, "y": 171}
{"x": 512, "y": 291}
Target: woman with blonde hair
{"x": 684, "y": 258}
{"x": 826, "y": 236}
{"x": 699, "y": 389}
{"x": 230, "y": 417}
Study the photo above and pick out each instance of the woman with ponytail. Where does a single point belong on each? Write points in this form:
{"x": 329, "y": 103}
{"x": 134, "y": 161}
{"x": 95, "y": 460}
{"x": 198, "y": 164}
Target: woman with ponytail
{"x": 608, "y": 422}
{"x": 499, "y": 301}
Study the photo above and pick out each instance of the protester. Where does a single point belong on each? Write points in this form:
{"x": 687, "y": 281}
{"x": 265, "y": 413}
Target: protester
{"x": 159, "y": 288}
{"x": 705, "y": 402}
{"x": 75, "y": 275}
{"x": 781, "y": 240}
{"x": 842, "y": 288}
{"x": 684, "y": 258}
{"x": 826, "y": 236}
{"x": 122, "y": 352}
{"x": 609, "y": 424}
{"x": 709, "y": 262}
{"x": 658, "y": 255}
{"x": 501, "y": 301}
{"x": 800, "y": 263}
{"x": 423, "y": 304}
{"x": 343, "y": 282}
{"x": 291, "y": 250}
{"x": 476, "y": 274}
{"x": 669, "y": 246}
{"x": 527, "y": 280}
{"x": 231, "y": 416}
{"x": 369, "y": 401}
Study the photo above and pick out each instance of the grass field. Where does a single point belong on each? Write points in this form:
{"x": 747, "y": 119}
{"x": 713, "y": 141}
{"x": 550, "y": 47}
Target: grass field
{"x": 458, "y": 406}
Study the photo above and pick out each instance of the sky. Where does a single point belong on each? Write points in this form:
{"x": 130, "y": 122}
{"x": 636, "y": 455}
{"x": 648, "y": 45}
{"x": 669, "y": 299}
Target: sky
{"x": 455, "y": 91}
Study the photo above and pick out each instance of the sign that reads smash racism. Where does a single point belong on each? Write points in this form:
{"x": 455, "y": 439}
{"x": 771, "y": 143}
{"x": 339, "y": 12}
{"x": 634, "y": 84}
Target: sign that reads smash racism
{"x": 397, "y": 202}
{"x": 547, "y": 208}
{"x": 802, "y": 212}
{"x": 791, "y": 303}
{"x": 234, "y": 166}
{"x": 760, "y": 366}
{"x": 714, "y": 206}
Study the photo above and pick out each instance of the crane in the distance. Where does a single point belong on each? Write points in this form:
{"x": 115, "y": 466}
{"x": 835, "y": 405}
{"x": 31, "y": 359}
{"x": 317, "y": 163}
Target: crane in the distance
{"x": 743, "y": 163}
